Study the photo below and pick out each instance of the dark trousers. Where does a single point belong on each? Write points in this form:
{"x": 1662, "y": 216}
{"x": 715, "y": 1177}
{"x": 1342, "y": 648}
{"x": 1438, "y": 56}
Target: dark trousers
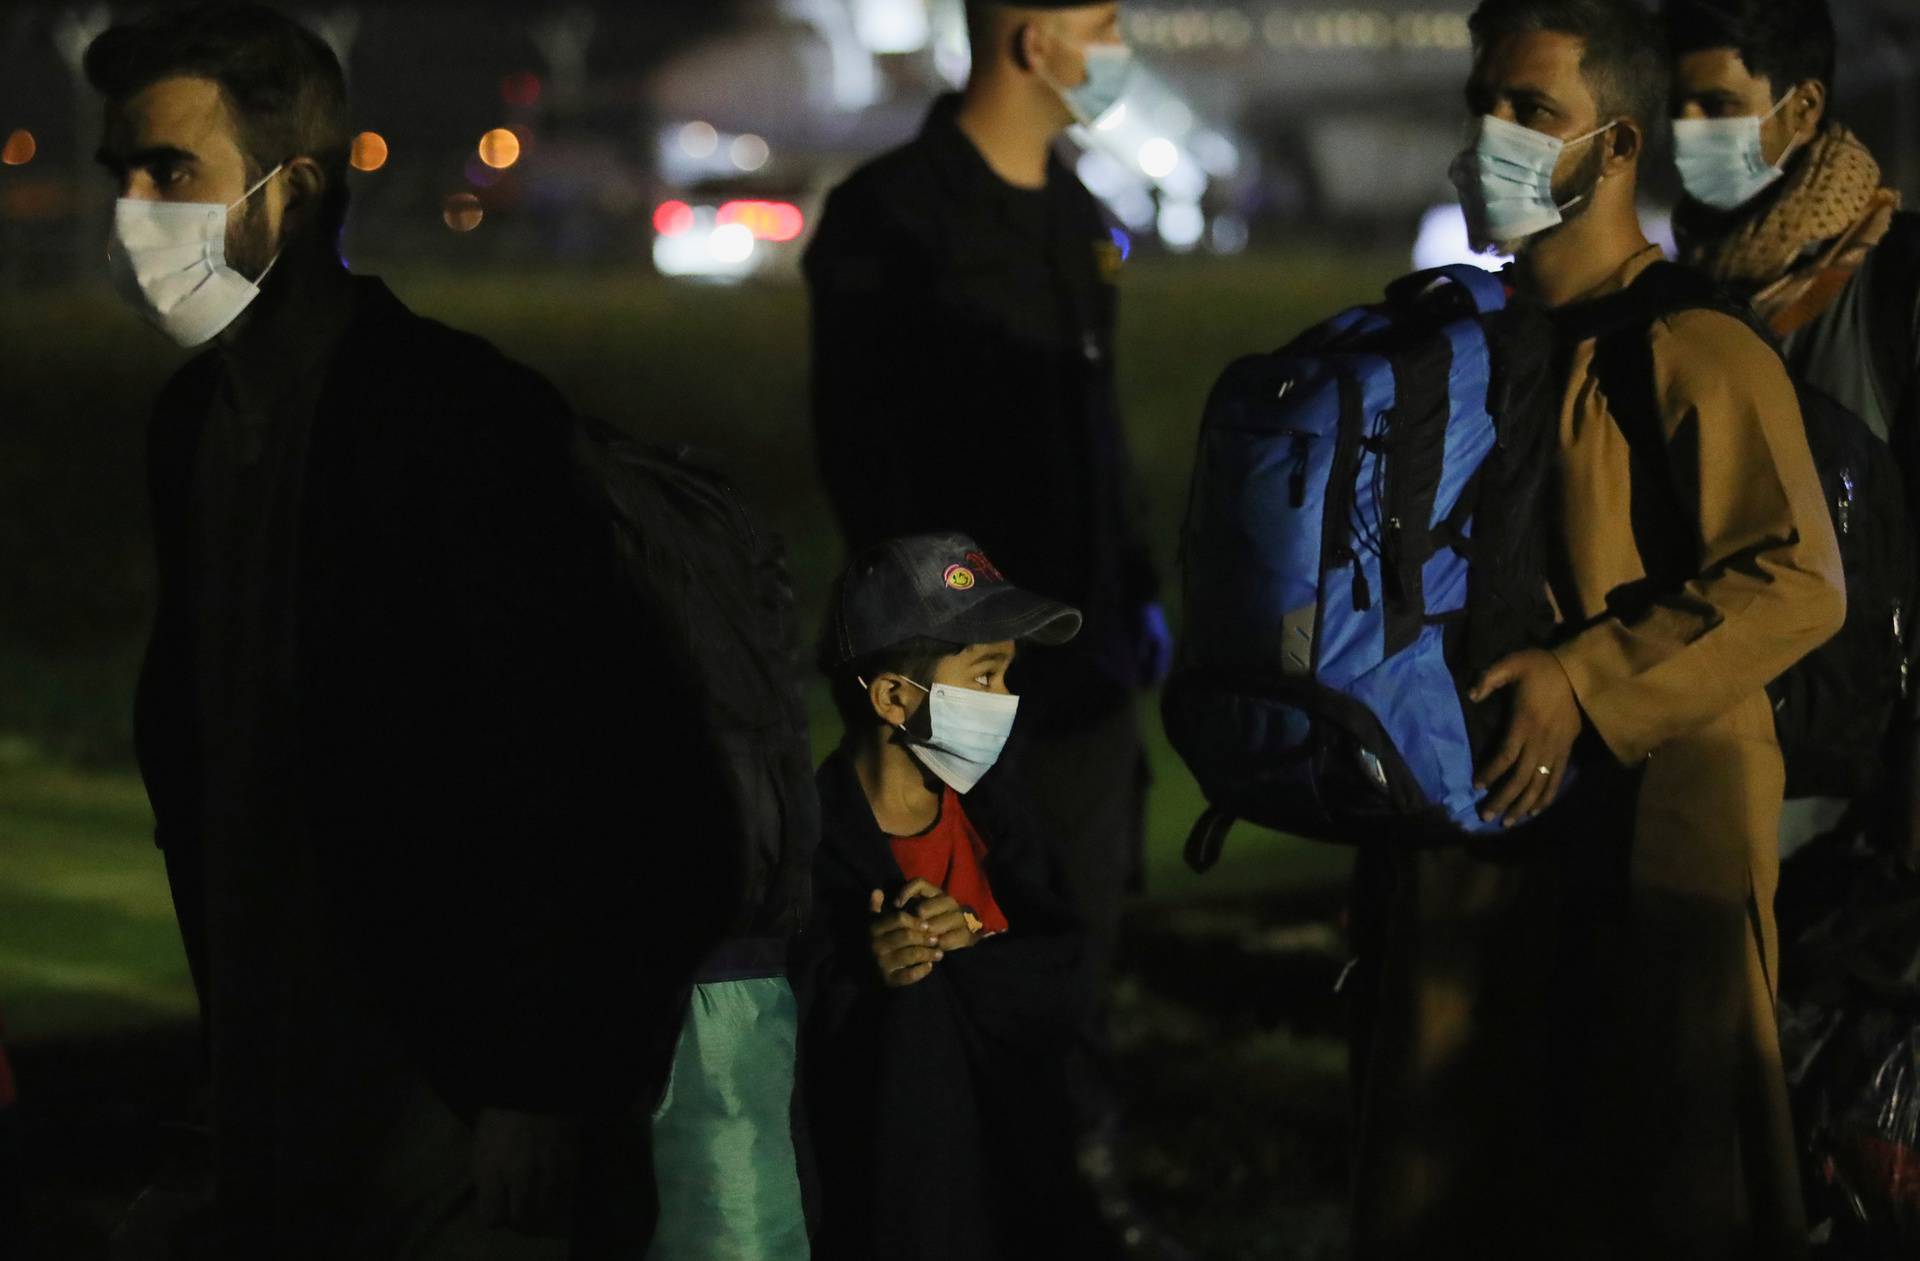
{"x": 1087, "y": 790}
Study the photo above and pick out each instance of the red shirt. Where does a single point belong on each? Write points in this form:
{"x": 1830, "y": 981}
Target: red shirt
{"x": 952, "y": 855}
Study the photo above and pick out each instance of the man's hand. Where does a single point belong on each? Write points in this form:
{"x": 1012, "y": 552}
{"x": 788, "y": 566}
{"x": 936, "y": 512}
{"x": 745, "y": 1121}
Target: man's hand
{"x": 1527, "y": 772}
{"x": 523, "y": 1170}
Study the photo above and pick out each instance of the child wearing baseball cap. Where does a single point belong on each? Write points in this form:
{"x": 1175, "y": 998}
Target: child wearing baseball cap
{"x": 944, "y": 971}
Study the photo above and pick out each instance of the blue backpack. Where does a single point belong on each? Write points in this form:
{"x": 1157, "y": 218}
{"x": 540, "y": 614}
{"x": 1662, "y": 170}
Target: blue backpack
{"x": 1365, "y": 536}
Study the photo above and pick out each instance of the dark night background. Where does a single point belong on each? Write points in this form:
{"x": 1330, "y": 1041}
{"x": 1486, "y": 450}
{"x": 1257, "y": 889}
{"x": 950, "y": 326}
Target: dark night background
{"x": 1278, "y": 162}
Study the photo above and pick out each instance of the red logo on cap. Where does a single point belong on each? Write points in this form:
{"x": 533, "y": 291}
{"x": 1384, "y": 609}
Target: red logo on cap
{"x": 984, "y": 567}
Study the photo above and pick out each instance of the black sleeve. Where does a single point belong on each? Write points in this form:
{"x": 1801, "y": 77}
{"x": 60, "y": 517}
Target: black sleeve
{"x": 873, "y": 366}
{"x": 163, "y": 708}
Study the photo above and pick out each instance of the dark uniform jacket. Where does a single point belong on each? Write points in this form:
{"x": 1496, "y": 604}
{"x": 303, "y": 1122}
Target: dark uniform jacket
{"x": 963, "y": 379}
{"x": 493, "y": 776}
{"x": 938, "y": 1110}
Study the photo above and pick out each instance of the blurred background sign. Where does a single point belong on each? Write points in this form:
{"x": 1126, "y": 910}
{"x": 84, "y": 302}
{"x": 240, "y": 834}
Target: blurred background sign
{"x": 1248, "y": 124}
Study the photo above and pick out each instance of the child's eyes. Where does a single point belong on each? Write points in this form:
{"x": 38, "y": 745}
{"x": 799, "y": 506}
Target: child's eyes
{"x": 984, "y": 680}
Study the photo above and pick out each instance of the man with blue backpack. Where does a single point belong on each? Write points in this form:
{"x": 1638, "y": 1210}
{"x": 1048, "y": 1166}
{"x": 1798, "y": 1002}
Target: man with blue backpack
{"x": 1624, "y": 954}
{"x": 1564, "y": 1038}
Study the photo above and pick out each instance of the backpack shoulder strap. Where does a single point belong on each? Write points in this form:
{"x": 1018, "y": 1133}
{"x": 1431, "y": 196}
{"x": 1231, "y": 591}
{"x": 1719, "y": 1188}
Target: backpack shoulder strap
{"x": 1619, "y": 325}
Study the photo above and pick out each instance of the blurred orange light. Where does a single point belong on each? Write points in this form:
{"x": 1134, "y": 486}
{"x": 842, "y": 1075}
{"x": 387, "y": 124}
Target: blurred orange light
{"x": 499, "y": 148}
{"x": 522, "y": 89}
{"x": 369, "y": 151}
{"x": 767, "y": 220}
{"x": 672, "y": 218}
{"x": 462, "y": 212}
{"x": 19, "y": 149}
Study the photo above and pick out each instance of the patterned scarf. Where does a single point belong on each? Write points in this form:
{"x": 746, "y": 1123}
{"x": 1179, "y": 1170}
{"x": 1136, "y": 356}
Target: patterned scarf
{"x": 1794, "y": 249}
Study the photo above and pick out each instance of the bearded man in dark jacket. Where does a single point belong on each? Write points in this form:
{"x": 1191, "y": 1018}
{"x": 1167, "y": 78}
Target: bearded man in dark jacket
{"x": 424, "y": 767}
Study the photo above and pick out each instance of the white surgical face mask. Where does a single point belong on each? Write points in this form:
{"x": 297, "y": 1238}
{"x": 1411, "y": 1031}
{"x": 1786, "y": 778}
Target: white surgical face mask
{"x": 1505, "y": 179}
{"x": 1109, "y": 66}
{"x": 970, "y": 730}
{"x": 1723, "y": 161}
{"x": 169, "y": 261}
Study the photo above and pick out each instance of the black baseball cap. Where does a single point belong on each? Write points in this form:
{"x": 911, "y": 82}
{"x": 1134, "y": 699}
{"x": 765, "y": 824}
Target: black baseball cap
{"x": 934, "y": 586}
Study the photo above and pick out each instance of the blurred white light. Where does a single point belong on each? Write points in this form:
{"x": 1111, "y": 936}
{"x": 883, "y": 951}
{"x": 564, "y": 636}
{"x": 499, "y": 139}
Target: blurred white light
{"x": 749, "y": 152}
{"x": 1134, "y": 206}
{"x": 1229, "y": 234}
{"x": 1158, "y": 157}
{"x": 1216, "y": 154}
{"x": 1181, "y": 224}
{"x": 1657, "y": 227}
{"x": 1185, "y": 182}
{"x": 891, "y": 26}
{"x": 1103, "y": 174}
{"x": 1175, "y": 118}
{"x": 1112, "y": 119}
{"x": 703, "y": 249}
{"x": 1442, "y": 241}
{"x": 699, "y": 140}
{"x": 731, "y": 243}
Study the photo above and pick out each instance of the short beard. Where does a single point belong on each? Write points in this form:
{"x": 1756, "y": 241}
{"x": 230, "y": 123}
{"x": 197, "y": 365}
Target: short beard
{"x": 250, "y": 244}
{"x": 1584, "y": 183}
{"x": 1581, "y": 186}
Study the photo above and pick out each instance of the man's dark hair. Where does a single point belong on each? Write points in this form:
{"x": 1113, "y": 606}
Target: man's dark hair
{"x": 284, "y": 85}
{"x": 915, "y": 658}
{"x": 1787, "y": 42}
{"x": 1623, "y": 58}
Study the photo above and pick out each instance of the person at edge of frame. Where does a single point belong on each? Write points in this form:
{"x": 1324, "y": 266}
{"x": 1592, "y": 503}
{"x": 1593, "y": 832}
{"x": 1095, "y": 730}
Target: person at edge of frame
{"x": 965, "y": 284}
{"x": 1565, "y": 1038}
{"x": 403, "y": 727}
{"x": 1786, "y": 207}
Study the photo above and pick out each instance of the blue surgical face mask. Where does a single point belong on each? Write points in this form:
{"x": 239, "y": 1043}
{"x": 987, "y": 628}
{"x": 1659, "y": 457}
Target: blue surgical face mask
{"x": 969, "y": 731}
{"x": 1109, "y": 66}
{"x": 1505, "y": 179}
{"x": 1722, "y": 161}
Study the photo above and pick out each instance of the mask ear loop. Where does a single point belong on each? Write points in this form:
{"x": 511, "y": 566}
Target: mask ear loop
{"x": 867, "y": 687}
{"x": 258, "y": 185}
{"x": 1598, "y": 131}
{"x": 1793, "y": 144}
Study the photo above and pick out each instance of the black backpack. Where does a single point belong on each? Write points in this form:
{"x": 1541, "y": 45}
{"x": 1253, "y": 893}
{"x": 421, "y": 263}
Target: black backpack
{"x": 1832, "y": 710}
{"x": 1892, "y": 277}
{"x": 696, "y": 556}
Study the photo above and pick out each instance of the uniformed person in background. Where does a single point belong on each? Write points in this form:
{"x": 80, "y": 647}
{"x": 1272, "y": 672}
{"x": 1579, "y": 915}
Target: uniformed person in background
{"x": 963, "y": 297}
